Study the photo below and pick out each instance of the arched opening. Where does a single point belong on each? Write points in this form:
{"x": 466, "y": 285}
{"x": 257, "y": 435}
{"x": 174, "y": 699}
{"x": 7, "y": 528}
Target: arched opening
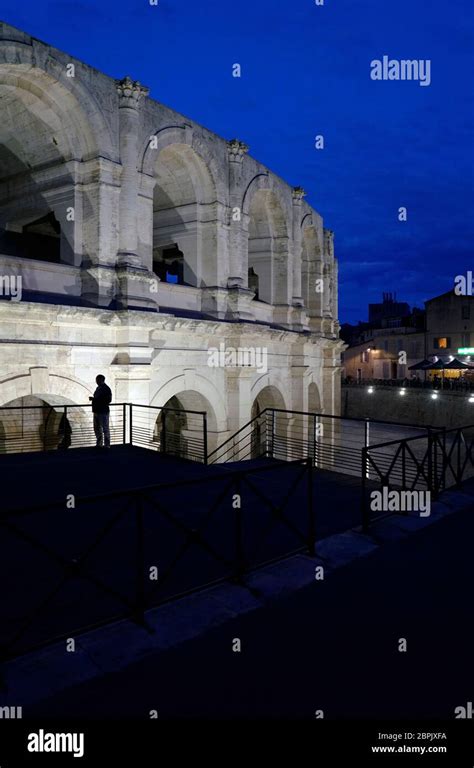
{"x": 43, "y": 423}
{"x": 40, "y": 142}
{"x": 31, "y": 424}
{"x": 184, "y": 219}
{"x": 170, "y": 429}
{"x": 179, "y": 428}
{"x": 314, "y": 399}
{"x": 268, "y": 262}
{"x": 269, "y": 429}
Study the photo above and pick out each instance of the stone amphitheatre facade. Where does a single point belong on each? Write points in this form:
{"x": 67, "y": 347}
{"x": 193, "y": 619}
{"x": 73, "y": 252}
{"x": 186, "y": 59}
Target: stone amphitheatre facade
{"x": 143, "y": 240}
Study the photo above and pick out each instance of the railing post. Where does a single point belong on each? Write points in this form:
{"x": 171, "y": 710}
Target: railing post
{"x": 64, "y": 420}
{"x": 272, "y": 454}
{"x": 204, "y": 417}
{"x": 130, "y": 413}
{"x": 45, "y": 426}
{"x": 430, "y": 461}
{"x": 239, "y": 533}
{"x": 315, "y": 447}
{"x": 124, "y": 423}
{"x": 404, "y": 461}
{"x": 435, "y": 466}
{"x": 458, "y": 472}
{"x": 163, "y": 431}
{"x": 139, "y": 563}
{"x": 364, "y": 509}
{"x": 366, "y": 445}
{"x": 311, "y": 520}
{"x": 445, "y": 462}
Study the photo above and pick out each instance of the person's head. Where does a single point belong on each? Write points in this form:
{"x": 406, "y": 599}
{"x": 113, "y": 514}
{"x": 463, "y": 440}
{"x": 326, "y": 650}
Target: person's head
{"x": 99, "y": 379}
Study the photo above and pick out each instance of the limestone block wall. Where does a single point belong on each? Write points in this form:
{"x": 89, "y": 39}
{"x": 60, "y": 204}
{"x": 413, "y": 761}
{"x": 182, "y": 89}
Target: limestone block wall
{"x": 56, "y": 352}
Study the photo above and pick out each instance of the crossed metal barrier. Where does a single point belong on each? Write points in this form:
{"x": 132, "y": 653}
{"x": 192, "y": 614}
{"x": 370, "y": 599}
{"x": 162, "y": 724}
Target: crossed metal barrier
{"x": 435, "y": 462}
{"x": 150, "y": 520}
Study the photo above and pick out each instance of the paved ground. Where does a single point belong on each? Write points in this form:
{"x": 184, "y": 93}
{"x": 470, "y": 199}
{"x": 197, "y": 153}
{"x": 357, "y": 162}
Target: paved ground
{"x": 331, "y": 646}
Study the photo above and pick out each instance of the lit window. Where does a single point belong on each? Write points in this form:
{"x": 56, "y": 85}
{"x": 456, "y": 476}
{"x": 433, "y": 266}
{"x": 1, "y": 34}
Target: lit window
{"x": 443, "y": 342}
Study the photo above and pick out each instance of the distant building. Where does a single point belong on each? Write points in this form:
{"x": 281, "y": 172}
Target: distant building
{"x": 379, "y": 357}
{"x": 444, "y": 330}
{"x": 389, "y": 309}
{"x": 450, "y": 326}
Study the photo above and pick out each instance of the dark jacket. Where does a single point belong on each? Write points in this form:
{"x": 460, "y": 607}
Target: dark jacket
{"x": 102, "y": 398}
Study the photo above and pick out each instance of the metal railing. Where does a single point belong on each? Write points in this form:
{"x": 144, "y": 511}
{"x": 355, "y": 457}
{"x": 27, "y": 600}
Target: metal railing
{"x": 437, "y": 461}
{"x": 129, "y": 551}
{"x": 333, "y": 443}
{"x": 25, "y": 429}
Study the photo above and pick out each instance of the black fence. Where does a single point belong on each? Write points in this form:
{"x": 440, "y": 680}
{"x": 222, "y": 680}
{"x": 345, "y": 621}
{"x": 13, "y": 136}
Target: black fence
{"x": 333, "y": 443}
{"x": 117, "y": 555}
{"x": 431, "y": 463}
{"x": 182, "y": 433}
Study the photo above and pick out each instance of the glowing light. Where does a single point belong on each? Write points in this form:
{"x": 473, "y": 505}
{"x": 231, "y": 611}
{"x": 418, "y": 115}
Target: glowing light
{"x": 434, "y": 396}
{"x": 403, "y": 391}
{"x": 471, "y": 399}
{"x": 370, "y": 390}
{"x": 466, "y": 351}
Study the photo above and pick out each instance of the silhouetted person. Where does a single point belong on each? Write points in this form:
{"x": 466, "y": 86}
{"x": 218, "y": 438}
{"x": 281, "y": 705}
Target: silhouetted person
{"x": 100, "y": 408}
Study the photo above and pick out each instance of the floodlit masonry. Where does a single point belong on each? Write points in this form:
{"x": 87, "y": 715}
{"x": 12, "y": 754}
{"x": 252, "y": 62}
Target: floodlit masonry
{"x": 143, "y": 240}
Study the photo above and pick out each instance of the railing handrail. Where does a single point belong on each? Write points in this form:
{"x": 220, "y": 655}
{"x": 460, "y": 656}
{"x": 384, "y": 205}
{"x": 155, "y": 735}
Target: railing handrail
{"x": 351, "y": 418}
{"x": 314, "y": 414}
{"x": 89, "y": 404}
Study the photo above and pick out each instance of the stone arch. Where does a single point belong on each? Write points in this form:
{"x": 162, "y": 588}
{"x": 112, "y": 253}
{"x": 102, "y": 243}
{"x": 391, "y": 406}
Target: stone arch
{"x": 269, "y": 396}
{"x": 185, "y": 215}
{"x": 203, "y": 388}
{"x": 35, "y": 66}
{"x": 196, "y": 393}
{"x": 55, "y": 388}
{"x": 48, "y": 128}
{"x": 36, "y": 423}
{"x": 184, "y": 134}
{"x": 179, "y": 432}
{"x": 266, "y": 223}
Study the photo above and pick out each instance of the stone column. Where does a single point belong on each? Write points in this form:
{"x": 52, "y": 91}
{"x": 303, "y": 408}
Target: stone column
{"x": 130, "y": 94}
{"x": 237, "y": 262}
{"x": 298, "y": 194}
{"x": 236, "y": 301}
{"x": 328, "y": 268}
{"x": 135, "y": 279}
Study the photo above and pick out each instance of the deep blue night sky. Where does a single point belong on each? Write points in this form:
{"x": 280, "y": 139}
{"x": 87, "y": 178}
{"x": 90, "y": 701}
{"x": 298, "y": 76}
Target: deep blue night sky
{"x": 306, "y": 71}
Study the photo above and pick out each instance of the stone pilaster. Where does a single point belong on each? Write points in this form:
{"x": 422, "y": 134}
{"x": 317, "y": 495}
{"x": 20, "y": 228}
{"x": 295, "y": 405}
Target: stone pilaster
{"x": 237, "y": 278}
{"x": 298, "y": 195}
{"x": 130, "y": 94}
{"x": 134, "y": 278}
{"x": 328, "y": 272}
